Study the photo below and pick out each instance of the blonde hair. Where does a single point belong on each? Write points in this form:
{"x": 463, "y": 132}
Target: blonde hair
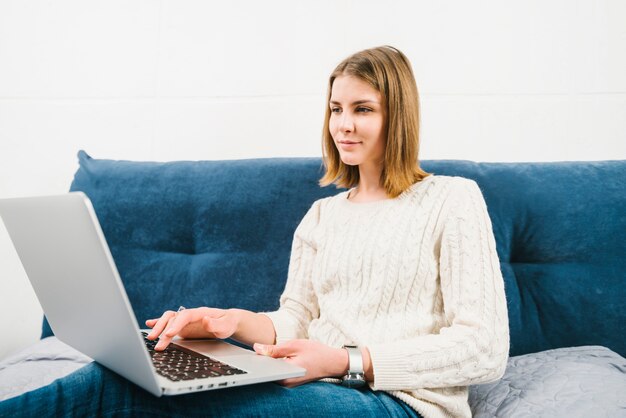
{"x": 388, "y": 71}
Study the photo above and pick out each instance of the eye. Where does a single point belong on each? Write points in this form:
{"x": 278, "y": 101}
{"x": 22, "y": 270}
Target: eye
{"x": 362, "y": 109}
{"x": 335, "y": 109}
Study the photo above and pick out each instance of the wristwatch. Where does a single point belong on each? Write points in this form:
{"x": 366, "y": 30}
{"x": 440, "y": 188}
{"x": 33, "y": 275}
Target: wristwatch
{"x": 356, "y": 376}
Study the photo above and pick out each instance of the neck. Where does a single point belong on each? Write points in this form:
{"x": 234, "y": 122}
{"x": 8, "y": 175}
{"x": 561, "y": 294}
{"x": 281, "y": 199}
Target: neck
{"x": 369, "y": 178}
{"x": 369, "y": 187}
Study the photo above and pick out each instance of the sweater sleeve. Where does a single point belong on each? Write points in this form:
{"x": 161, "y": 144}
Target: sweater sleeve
{"x": 298, "y": 303}
{"x": 473, "y": 346}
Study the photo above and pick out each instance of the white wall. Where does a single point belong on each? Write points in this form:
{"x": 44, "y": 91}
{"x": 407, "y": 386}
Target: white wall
{"x": 538, "y": 80}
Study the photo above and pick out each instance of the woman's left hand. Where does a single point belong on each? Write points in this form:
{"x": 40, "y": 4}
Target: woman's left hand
{"x": 318, "y": 359}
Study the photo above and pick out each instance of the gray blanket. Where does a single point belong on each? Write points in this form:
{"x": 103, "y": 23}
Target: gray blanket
{"x": 567, "y": 382}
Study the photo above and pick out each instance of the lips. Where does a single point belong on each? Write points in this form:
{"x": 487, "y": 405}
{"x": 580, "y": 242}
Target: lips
{"x": 348, "y": 145}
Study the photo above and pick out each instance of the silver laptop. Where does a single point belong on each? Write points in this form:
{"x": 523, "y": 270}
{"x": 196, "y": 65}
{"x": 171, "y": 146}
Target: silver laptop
{"x": 68, "y": 262}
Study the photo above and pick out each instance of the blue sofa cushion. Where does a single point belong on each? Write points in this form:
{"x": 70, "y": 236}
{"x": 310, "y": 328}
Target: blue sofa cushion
{"x": 219, "y": 233}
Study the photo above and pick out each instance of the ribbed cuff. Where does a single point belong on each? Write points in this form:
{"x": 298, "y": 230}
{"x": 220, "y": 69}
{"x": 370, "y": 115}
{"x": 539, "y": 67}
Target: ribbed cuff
{"x": 390, "y": 368}
{"x": 284, "y": 325}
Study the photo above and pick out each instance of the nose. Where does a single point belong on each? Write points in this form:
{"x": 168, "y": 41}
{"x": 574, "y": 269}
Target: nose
{"x": 347, "y": 123}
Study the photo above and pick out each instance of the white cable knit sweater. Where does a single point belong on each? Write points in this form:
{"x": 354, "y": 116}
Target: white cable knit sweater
{"x": 415, "y": 279}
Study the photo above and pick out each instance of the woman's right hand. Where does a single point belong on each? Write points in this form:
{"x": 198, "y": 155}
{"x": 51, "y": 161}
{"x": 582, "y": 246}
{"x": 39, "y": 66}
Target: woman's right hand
{"x": 192, "y": 323}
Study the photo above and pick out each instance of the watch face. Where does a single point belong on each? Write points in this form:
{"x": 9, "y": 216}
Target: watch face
{"x": 353, "y": 380}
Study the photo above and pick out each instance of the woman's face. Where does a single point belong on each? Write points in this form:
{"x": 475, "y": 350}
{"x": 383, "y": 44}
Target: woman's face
{"x": 357, "y": 122}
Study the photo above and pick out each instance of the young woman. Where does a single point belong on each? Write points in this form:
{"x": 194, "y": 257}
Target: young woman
{"x": 401, "y": 269}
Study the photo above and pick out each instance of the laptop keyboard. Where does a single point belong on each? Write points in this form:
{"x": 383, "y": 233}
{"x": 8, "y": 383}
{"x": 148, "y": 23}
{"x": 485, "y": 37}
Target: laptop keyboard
{"x": 177, "y": 363}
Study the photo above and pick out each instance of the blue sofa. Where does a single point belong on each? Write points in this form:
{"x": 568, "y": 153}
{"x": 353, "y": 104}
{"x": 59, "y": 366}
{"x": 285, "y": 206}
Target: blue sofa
{"x": 218, "y": 233}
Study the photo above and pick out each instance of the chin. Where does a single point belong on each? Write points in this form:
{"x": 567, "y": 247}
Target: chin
{"x": 348, "y": 160}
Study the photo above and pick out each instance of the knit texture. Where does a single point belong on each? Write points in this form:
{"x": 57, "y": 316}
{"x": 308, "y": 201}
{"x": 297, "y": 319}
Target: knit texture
{"x": 415, "y": 279}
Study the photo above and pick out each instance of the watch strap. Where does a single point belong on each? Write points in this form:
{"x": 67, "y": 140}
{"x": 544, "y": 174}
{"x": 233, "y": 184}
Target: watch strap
{"x": 355, "y": 378}
{"x": 355, "y": 359}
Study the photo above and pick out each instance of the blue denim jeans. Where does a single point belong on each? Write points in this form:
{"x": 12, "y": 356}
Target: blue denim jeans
{"x": 96, "y": 391}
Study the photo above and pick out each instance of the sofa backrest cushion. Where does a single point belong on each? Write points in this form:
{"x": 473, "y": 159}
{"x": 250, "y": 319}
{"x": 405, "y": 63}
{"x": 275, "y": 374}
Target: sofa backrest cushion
{"x": 218, "y": 233}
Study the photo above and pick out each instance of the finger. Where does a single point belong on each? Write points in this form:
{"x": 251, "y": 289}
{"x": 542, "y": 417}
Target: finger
{"x": 184, "y": 318}
{"x": 164, "y": 339}
{"x": 157, "y": 329}
{"x": 289, "y": 383}
{"x": 178, "y": 322}
{"x": 276, "y": 351}
{"x": 189, "y": 315}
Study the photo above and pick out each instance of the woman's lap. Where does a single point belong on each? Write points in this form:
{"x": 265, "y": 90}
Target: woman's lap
{"x": 94, "y": 390}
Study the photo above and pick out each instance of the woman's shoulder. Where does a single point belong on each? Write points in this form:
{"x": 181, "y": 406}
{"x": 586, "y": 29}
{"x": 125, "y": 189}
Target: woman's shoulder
{"x": 460, "y": 196}
{"x": 441, "y": 185}
{"x": 453, "y": 184}
{"x": 324, "y": 202}
{"x": 320, "y": 205}
{"x": 443, "y": 190}
{"x": 443, "y": 180}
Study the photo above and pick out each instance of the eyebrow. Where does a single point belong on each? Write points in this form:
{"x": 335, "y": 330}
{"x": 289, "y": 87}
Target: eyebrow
{"x": 358, "y": 102}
